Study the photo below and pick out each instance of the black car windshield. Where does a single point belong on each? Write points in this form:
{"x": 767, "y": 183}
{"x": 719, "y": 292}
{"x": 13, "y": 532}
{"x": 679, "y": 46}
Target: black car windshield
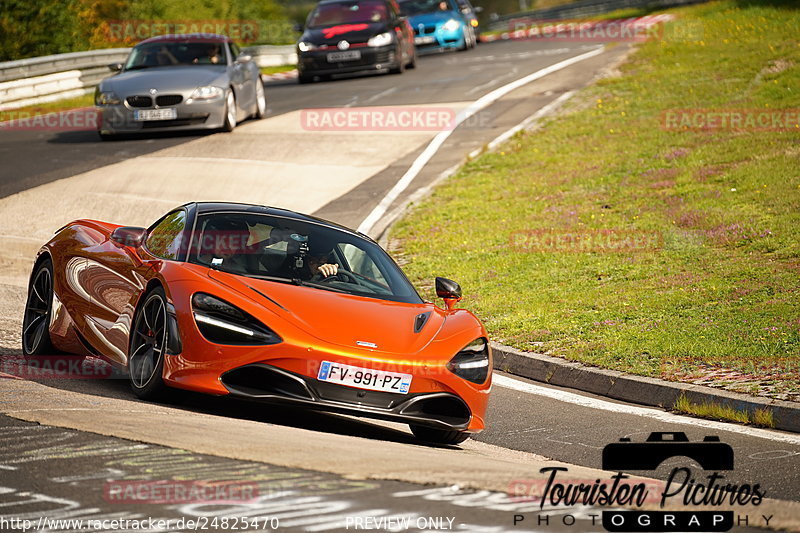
{"x": 330, "y": 14}
{"x": 165, "y": 54}
{"x": 420, "y": 7}
{"x": 286, "y": 250}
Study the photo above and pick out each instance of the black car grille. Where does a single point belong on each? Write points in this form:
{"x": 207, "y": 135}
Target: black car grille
{"x": 150, "y": 124}
{"x": 169, "y": 99}
{"x": 367, "y": 59}
{"x": 424, "y": 30}
{"x": 139, "y": 101}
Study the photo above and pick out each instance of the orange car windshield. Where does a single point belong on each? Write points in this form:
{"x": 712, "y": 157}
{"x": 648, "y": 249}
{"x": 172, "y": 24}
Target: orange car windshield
{"x": 295, "y": 251}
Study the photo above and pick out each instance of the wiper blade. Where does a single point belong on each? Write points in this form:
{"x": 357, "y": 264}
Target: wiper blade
{"x": 321, "y": 286}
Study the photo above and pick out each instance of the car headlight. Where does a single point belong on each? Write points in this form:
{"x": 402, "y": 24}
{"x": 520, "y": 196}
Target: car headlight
{"x": 208, "y": 92}
{"x": 223, "y": 323}
{"x": 382, "y": 39}
{"x": 472, "y": 362}
{"x": 106, "y": 98}
{"x": 451, "y": 25}
{"x": 304, "y": 46}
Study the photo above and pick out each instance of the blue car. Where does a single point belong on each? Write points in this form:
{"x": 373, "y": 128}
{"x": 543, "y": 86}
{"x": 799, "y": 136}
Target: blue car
{"x": 438, "y": 25}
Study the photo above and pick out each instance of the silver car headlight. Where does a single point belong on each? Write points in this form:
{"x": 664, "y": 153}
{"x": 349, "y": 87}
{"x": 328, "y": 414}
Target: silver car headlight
{"x": 382, "y": 39}
{"x": 106, "y": 98}
{"x": 451, "y": 25}
{"x": 208, "y": 92}
{"x": 305, "y": 47}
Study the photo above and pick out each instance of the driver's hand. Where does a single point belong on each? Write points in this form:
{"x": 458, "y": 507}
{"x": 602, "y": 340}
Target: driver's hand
{"x": 327, "y": 270}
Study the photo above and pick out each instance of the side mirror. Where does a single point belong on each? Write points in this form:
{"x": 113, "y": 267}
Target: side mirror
{"x": 449, "y": 291}
{"x": 244, "y": 58}
{"x": 115, "y": 67}
{"x": 298, "y": 28}
{"x": 129, "y": 236}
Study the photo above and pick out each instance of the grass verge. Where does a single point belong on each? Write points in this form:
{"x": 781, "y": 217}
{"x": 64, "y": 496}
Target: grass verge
{"x": 715, "y": 411}
{"x": 278, "y": 69}
{"x": 66, "y": 104}
{"x": 612, "y": 238}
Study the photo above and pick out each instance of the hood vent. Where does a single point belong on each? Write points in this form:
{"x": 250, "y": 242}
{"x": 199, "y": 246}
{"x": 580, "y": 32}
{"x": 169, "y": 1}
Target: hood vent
{"x": 420, "y": 321}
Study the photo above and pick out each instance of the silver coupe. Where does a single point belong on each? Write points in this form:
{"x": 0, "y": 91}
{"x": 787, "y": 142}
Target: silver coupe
{"x": 180, "y": 82}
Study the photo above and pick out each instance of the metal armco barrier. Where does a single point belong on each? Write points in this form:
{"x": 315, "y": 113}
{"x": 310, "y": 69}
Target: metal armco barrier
{"x": 583, "y": 9}
{"x": 45, "y": 79}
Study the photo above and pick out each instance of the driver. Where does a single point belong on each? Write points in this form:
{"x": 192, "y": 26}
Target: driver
{"x": 317, "y": 262}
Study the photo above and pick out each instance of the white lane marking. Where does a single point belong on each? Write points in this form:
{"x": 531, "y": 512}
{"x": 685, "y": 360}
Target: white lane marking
{"x": 482, "y": 102}
{"x": 5, "y": 467}
{"x": 663, "y": 416}
{"x": 374, "y": 97}
{"x": 503, "y": 137}
{"x": 491, "y": 83}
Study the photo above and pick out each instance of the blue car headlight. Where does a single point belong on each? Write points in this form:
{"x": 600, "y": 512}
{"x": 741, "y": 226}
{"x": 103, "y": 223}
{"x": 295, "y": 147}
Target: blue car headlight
{"x": 451, "y": 25}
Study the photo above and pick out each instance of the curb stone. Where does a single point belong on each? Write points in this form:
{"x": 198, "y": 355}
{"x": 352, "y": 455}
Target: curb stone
{"x": 637, "y": 389}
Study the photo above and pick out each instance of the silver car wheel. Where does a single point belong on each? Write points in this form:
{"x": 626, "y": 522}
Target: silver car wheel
{"x": 261, "y": 99}
{"x": 230, "y": 111}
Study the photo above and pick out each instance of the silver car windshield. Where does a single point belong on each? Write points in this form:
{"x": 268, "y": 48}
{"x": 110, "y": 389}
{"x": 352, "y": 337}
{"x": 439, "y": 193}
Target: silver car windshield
{"x": 286, "y": 250}
{"x": 165, "y": 54}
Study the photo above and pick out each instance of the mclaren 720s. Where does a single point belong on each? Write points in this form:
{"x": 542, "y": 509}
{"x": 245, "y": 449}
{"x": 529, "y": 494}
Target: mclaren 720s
{"x": 262, "y": 304}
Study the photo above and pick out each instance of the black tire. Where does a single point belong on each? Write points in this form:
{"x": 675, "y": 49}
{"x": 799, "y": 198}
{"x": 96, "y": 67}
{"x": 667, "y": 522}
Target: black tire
{"x": 304, "y": 78}
{"x": 439, "y": 436}
{"x": 412, "y": 63}
{"x": 148, "y": 346}
{"x": 38, "y": 310}
{"x": 401, "y": 65}
{"x": 106, "y": 136}
{"x": 230, "y": 112}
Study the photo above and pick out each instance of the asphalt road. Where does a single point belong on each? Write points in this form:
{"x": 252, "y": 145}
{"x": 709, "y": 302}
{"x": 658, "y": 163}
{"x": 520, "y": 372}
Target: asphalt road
{"x": 68, "y": 469}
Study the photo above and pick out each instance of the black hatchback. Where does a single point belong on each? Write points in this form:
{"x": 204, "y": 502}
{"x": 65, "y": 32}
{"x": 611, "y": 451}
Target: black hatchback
{"x": 343, "y": 36}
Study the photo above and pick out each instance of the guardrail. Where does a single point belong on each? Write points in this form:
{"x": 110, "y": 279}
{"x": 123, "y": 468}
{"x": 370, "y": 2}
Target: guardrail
{"x": 49, "y": 78}
{"x": 584, "y": 9}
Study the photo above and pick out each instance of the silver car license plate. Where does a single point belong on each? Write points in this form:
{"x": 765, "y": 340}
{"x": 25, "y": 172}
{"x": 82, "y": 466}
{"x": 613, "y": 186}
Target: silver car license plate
{"x": 350, "y": 55}
{"x": 424, "y": 40}
{"x": 168, "y": 113}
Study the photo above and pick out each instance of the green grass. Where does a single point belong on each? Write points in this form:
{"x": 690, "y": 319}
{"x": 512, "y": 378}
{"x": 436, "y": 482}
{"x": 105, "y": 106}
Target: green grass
{"x": 86, "y": 100}
{"x": 719, "y": 287}
{"x": 275, "y": 70}
{"x": 714, "y": 411}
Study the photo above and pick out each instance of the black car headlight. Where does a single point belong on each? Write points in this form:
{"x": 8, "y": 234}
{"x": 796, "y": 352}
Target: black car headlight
{"x": 223, "y": 323}
{"x": 472, "y": 362}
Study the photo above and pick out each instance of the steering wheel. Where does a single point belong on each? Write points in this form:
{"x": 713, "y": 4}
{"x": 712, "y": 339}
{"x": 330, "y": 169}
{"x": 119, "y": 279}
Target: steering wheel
{"x": 341, "y": 272}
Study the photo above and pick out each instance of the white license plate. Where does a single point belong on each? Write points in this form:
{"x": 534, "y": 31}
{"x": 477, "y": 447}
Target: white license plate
{"x": 424, "y": 40}
{"x": 350, "y": 55}
{"x": 364, "y": 378}
{"x": 168, "y": 113}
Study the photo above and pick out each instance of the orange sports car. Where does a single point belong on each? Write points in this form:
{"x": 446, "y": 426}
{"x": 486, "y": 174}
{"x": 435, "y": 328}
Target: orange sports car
{"x": 263, "y": 304}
